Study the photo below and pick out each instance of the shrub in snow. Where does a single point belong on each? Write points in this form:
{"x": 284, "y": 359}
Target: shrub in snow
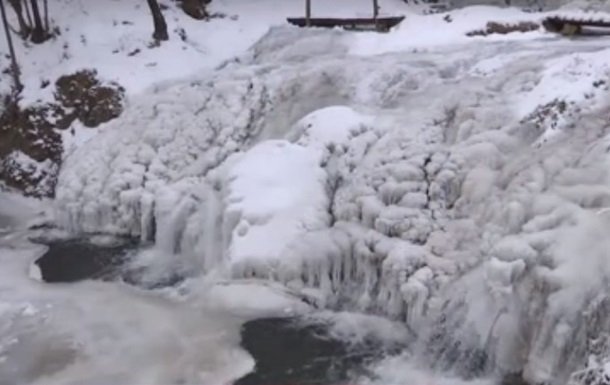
{"x": 30, "y": 148}
{"x": 32, "y": 177}
{"x": 87, "y": 99}
{"x": 503, "y": 28}
{"x": 33, "y": 133}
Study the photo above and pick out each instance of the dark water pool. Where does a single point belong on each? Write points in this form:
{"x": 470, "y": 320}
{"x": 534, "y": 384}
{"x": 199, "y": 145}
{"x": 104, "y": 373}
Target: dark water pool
{"x": 77, "y": 259}
{"x": 302, "y": 352}
{"x": 287, "y": 351}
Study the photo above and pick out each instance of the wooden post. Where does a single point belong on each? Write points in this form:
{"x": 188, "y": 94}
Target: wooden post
{"x": 308, "y": 12}
{"x": 375, "y": 14}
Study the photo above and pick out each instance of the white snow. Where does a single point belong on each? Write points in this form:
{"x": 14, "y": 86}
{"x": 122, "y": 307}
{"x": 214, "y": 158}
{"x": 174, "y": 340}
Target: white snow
{"x": 76, "y": 136}
{"x": 334, "y": 125}
{"x": 18, "y": 212}
{"x": 250, "y": 300}
{"x": 424, "y": 32}
{"x": 572, "y": 78}
{"x": 276, "y": 191}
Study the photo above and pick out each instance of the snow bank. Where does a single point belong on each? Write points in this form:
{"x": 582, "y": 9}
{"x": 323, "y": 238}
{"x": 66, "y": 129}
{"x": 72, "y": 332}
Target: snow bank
{"x": 573, "y": 79}
{"x": 425, "y": 32}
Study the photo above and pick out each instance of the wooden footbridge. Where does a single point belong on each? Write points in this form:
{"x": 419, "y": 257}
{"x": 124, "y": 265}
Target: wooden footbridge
{"x": 570, "y": 26}
{"x": 375, "y": 23}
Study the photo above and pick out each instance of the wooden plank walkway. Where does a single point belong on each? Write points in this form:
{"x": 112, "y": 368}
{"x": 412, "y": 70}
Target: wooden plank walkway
{"x": 380, "y": 24}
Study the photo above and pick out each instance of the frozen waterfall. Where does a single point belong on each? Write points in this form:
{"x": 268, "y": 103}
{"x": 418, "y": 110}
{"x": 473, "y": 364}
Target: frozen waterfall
{"x": 459, "y": 189}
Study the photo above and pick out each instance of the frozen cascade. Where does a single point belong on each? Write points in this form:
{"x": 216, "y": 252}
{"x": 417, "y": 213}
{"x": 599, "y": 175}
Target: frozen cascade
{"x": 431, "y": 199}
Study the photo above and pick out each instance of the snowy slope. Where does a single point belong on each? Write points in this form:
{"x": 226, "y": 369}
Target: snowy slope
{"x": 114, "y": 37}
{"x": 457, "y": 184}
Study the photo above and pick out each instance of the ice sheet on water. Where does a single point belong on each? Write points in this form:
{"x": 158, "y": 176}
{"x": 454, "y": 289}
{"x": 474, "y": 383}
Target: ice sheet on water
{"x": 100, "y": 332}
{"x": 96, "y": 332}
{"x": 17, "y": 212}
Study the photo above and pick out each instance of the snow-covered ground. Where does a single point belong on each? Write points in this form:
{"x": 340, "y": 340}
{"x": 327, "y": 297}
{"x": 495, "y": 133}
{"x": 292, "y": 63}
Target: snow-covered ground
{"x": 457, "y": 184}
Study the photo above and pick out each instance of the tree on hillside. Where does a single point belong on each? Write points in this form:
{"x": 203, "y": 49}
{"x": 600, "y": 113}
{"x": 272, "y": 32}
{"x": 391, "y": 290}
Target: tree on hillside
{"x": 35, "y": 28}
{"x": 24, "y": 27}
{"x": 38, "y": 33}
{"x": 9, "y": 40}
{"x": 46, "y": 15}
{"x": 27, "y": 12}
{"x": 160, "y": 32}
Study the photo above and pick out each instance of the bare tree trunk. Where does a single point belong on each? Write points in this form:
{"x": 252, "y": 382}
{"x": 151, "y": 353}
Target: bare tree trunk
{"x": 46, "y": 16}
{"x": 308, "y": 12}
{"x": 375, "y": 9}
{"x": 38, "y": 34}
{"x": 160, "y": 32}
{"x": 9, "y": 40}
{"x": 24, "y": 28}
{"x": 27, "y": 12}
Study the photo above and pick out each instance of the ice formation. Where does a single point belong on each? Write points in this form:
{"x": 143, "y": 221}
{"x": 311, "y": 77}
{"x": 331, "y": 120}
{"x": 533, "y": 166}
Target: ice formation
{"x": 414, "y": 186}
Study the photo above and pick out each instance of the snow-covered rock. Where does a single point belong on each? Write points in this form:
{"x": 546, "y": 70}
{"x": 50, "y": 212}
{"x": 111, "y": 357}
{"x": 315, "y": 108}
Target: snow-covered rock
{"x": 275, "y": 194}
